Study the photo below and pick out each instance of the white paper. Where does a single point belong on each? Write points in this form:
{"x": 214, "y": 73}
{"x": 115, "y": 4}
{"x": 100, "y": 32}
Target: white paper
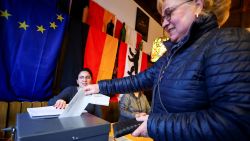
{"x": 80, "y": 101}
{"x": 99, "y": 99}
{"x": 75, "y": 107}
{"x": 44, "y": 112}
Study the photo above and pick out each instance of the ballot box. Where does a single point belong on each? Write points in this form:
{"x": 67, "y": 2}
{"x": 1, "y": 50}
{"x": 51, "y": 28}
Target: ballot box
{"x": 86, "y": 127}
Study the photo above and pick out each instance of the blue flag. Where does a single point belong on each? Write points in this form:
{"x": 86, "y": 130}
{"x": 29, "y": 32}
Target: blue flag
{"x": 31, "y": 34}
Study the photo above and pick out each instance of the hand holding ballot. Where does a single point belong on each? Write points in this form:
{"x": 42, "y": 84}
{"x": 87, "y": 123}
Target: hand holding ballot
{"x": 75, "y": 108}
{"x": 80, "y": 101}
{"x": 91, "y": 89}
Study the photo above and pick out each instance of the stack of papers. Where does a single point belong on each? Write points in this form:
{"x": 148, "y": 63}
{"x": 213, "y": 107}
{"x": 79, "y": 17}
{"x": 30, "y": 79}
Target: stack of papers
{"x": 75, "y": 108}
{"x": 44, "y": 112}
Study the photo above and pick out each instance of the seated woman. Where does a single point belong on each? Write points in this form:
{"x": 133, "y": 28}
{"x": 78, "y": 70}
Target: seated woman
{"x": 84, "y": 78}
{"x": 133, "y": 105}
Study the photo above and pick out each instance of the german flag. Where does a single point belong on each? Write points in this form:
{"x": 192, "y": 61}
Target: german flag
{"x": 100, "y": 54}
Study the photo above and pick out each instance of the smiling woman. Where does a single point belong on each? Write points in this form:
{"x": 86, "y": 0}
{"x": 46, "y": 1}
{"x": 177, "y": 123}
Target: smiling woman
{"x": 178, "y": 17}
{"x": 201, "y": 86}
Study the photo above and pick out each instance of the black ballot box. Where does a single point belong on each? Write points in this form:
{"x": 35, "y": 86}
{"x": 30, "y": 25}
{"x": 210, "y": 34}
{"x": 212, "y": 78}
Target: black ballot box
{"x": 86, "y": 127}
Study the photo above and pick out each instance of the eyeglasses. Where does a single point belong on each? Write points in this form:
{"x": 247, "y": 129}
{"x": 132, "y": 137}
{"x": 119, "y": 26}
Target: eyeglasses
{"x": 84, "y": 77}
{"x": 168, "y": 12}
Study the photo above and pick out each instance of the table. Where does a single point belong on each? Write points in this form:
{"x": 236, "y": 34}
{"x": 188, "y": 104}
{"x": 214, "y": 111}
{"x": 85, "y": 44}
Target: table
{"x": 128, "y": 137}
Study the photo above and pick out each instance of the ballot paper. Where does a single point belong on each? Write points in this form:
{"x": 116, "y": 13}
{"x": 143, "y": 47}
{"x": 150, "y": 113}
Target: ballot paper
{"x": 98, "y": 99}
{"x": 75, "y": 108}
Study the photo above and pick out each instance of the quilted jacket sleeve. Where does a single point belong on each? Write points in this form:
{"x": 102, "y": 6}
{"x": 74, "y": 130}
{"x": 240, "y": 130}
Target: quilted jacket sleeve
{"x": 141, "y": 81}
{"x": 227, "y": 71}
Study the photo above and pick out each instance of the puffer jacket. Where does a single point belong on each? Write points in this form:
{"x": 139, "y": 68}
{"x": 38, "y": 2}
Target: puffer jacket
{"x": 201, "y": 87}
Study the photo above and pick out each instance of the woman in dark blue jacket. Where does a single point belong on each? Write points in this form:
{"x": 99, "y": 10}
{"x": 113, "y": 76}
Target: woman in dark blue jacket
{"x": 201, "y": 86}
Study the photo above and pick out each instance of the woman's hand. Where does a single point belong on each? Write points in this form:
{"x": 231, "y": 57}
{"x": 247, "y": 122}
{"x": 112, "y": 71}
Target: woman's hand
{"x": 91, "y": 89}
{"x": 60, "y": 104}
{"x": 142, "y": 129}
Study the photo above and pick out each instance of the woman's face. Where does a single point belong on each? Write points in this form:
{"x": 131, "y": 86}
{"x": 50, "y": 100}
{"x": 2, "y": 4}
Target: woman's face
{"x": 84, "y": 78}
{"x": 178, "y": 15}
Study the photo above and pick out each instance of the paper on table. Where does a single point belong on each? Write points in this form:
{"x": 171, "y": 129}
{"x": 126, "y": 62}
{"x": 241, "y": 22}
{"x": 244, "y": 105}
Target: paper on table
{"x": 44, "y": 112}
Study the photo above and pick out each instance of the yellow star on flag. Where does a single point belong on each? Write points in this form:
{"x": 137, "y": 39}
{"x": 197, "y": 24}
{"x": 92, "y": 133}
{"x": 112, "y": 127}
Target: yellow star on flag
{"x": 5, "y": 14}
{"x": 40, "y": 28}
{"x": 59, "y": 17}
{"x": 23, "y": 25}
{"x": 53, "y": 25}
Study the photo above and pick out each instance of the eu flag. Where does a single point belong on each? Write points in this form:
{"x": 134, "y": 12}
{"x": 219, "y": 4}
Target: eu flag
{"x": 31, "y": 34}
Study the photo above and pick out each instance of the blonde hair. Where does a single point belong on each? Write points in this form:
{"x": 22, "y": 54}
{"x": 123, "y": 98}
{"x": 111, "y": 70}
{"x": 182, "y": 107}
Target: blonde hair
{"x": 220, "y": 8}
{"x": 159, "y": 6}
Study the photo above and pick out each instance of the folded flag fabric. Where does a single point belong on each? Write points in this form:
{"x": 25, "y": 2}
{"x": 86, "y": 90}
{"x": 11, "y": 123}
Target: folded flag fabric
{"x": 99, "y": 18}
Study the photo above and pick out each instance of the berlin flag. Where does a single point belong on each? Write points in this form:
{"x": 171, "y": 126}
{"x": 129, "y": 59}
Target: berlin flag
{"x": 131, "y": 59}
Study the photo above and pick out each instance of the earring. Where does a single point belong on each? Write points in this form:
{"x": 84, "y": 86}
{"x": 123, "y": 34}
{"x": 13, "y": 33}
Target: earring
{"x": 196, "y": 15}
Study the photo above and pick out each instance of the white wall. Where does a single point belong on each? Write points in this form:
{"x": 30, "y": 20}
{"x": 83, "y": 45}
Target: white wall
{"x": 125, "y": 11}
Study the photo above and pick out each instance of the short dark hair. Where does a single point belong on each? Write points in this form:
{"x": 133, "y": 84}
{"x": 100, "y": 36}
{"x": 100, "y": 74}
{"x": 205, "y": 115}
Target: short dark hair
{"x": 88, "y": 70}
